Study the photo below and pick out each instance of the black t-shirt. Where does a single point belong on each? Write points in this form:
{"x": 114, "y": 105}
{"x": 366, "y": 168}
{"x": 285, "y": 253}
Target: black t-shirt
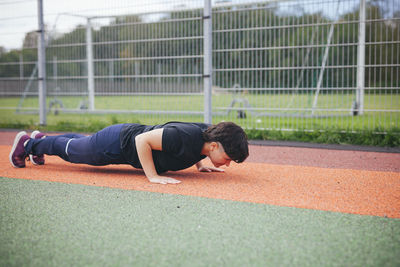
{"x": 181, "y": 145}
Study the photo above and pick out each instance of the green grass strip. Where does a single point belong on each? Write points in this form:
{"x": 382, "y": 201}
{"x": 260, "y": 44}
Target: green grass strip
{"x": 376, "y": 137}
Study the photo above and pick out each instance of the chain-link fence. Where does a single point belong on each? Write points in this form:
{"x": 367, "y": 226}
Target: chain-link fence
{"x": 288, "y": 65}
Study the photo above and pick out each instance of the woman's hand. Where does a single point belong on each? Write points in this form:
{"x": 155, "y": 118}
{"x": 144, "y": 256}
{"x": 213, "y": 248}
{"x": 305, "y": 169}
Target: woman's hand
{"x": 163, "y": 180}
{"x": 202, "y": 168}
{"x": 210, "y": 169}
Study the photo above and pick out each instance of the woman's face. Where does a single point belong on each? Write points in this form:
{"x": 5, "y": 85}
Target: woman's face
{"x": 218, "y": 156}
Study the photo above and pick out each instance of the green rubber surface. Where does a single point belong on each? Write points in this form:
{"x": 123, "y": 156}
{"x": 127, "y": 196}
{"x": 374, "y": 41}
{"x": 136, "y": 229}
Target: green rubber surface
{"x": 54, "y": 224}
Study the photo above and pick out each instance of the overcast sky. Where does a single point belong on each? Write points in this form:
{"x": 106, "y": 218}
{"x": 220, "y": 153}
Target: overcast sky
{"x": 17, "y": 17}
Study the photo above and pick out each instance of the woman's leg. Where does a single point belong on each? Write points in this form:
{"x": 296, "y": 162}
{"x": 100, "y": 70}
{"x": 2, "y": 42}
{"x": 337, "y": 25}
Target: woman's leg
{"x": 51, "y": 145}
{"x": 102, "y": 148}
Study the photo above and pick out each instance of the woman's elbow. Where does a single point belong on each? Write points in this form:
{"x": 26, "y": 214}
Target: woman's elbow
{"x": 139, "y": 140}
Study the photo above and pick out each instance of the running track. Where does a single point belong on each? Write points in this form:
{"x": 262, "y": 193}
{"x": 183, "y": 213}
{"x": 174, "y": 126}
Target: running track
{"x": 356, "y": 182}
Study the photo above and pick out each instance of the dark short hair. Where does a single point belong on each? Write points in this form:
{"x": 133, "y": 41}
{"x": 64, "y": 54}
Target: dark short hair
{"x": 232, "y": 137}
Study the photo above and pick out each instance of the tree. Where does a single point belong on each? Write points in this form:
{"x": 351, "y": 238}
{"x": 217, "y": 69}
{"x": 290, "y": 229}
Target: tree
{"x": 30, "y": 40}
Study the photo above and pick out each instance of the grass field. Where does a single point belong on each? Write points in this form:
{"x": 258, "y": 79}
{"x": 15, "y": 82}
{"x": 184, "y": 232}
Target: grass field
{"x": 57, "y": 224}
{"x": 293, "y": 118}
{"x": 269, "y": 102}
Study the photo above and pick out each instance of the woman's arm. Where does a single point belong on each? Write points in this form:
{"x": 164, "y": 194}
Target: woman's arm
{"x": 145, "y": 143}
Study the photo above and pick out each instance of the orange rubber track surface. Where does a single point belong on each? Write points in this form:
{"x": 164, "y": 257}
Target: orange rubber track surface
{"x": 367, "y": 191}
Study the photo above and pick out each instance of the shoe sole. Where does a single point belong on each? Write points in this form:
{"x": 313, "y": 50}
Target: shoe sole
{"x": 33, "y": 135}
{"x": 16, "y": 140}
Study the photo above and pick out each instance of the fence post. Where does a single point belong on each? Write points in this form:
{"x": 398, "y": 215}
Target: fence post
{"x": 207, "y": 73}
{"x": 55, "y": 73}
{"x": 41, "y": 67}
{"x": 21, "y": 66}
{"x": 89, "y": 56}
{"x": 361, "y": 60}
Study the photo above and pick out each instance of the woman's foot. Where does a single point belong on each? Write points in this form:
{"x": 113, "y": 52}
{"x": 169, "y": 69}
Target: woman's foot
{"x": 17, "y": 154}
{"x": 37, "y": 159}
